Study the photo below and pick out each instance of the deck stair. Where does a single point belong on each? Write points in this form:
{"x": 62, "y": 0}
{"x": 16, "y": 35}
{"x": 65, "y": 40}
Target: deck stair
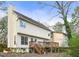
{"x": 38, "y": 48}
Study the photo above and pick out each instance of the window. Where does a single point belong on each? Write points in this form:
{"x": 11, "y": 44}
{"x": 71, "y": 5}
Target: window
{"x": 31, "y": 39}
{"x": 35, "y": 40}
{"x": 14, "y": 39}
{"x": 24, "y": 40}
{"x": 22, "y": 23}
{"x": 49, "y": 34}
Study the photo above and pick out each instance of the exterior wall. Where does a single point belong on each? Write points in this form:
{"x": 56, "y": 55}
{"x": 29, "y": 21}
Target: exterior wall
{"x": 61, "y": 39}
{"x": 11, "y": 27}
{"x": 39, "y": 41}
{"x": 18, "y": 41}
{"x": 14, "y": 28}
{"x": 33, "y": 30}
{"x": 19, "y": 46}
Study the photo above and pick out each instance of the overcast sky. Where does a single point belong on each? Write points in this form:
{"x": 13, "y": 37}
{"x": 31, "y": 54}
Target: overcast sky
{"x": 39, "y": 12}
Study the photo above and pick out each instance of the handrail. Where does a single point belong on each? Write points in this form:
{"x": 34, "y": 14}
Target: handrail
{"x": 45, "y": 44}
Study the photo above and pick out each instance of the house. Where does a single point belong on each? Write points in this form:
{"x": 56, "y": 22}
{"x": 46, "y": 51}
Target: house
{"x": 22, "y": 30}
{"x": 60, "y": 38}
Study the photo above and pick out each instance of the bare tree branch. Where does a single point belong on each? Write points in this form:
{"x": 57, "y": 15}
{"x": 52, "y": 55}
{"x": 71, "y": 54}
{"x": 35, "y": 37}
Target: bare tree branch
{"x": 53, "y": 17}
{"x": 46, "y": 4}
{"x": 68, "y": 7}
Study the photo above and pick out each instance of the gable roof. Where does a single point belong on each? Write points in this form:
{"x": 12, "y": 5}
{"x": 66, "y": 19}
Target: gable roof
{"x": 31, "y": 21}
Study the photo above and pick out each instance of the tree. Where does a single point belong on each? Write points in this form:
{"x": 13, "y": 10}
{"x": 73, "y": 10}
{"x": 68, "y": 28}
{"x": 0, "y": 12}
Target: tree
{"x": 58, "y": 27}
{"x": 74, "y": 44}
{"x": 1, "y": 5}
{"x": 63, "y": 8}
{"x": 3, "y": 29}
{"x": 74, "y": 24}
{"x": 1, "y": 2}
{"x": 75, "y": 20}
{"x": 3, "y": 24}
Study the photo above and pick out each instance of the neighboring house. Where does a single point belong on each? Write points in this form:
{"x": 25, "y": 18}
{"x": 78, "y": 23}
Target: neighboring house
{"x": 22, "y": 30}
{"x": 60, "y": 38}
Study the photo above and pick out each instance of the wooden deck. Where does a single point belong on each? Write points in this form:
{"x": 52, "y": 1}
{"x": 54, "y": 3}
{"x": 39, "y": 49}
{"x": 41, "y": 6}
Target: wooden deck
{"x": 41, "y": 46}
{"x": 45, "y": 44}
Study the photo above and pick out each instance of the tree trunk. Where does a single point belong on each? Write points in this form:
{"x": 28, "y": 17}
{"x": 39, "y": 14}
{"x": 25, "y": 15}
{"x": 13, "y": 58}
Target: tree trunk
{"x": 68, "y": 30}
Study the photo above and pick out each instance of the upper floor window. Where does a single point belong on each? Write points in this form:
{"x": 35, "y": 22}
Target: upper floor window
{"x": 22, "y": 23}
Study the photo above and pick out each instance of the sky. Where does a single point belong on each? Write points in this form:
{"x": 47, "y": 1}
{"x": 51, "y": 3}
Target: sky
{"x": 40, "y": 12}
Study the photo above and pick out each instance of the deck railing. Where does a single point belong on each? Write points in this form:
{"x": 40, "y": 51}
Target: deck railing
{"x": 45, "y": 44}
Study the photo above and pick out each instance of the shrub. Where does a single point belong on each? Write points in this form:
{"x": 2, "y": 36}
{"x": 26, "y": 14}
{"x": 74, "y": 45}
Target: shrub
{"x": 74, "y": 51}
{"x": 7, "y": 49}
{"x": 59, "y": 49}
{"x": 2, "y": 47}
{"x": 74, "y": 44}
